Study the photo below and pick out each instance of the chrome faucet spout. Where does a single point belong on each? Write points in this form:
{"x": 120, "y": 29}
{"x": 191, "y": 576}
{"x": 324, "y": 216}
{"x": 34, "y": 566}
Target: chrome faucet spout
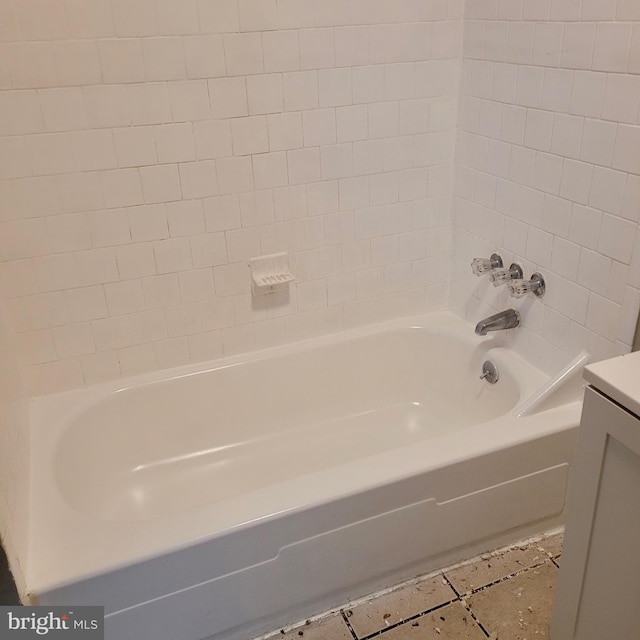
{"x": 508, "y": 319}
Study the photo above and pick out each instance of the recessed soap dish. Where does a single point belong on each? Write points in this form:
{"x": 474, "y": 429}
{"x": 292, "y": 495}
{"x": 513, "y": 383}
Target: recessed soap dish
{"x": 271, "y": 271}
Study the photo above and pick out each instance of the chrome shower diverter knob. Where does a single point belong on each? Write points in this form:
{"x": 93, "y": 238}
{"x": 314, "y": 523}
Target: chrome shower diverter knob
{"x": 502, "y": 276}
{"x": 521, "y": 288}
{"x": 480, "y": 266}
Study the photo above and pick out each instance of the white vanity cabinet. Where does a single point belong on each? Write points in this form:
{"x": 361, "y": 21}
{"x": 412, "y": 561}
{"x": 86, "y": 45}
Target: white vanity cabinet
{"x": 598, "y": 592}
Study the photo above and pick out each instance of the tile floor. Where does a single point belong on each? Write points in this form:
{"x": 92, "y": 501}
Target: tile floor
{"x": 503, "y": 595}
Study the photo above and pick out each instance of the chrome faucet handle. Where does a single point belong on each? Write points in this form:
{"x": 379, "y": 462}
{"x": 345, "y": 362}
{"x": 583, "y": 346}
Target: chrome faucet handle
{"x": 502, "y": 276}
{"x": 480, "y": 266}
{"x": 521, "y": 288}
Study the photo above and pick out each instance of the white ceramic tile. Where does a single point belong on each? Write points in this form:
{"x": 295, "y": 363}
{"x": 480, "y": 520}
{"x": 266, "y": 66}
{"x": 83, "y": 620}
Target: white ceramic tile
{"x": 93, "y": 150}
{"x": 222, "y": 213}
{"x": 617, "y": 238}
{"x": 625, "y": 153}
{"x": 86, "y": 303}
{"x": 177, "y": 19}
{"x": 107, "y": 105}
{"x": 539, "y": 129}
{"x": 621, "y": 98}
{"x": 304, "y": 165}
{"x": 204, "y": 56}
{"x": 228, "y": 97}
{"x": 235, "y": 175}
{"x": 160, "y": 183}
{"x": 612, "y": 43}
{"x": 212, "y": 139}
{"x": 218, "y": 16}
{"x": 149, "y": 103}
{"x": 593, "y": 271}
{"x": 136, "y": 260}
{"x": 172, "y": 255}
{"x": 337, "y": 161}
{"x": 351, "y": 46}
{"x": 163, "y": 59}
{"x": 109, "y": 228}
{"x": 576, "y": 181}
{"x": 317, "y": 48}
{"x": 547, "y": 47}
{"x": 556, "y": 216}
{"x": 319, "y": 127}
{"x": 585, "y": 226}
{"x": 207, "y": 250}
{"x": 265, "y": 94}
{"x": 249, "y": 135}
{"x": 42, "y": 21}
{"x": 384, "y": 119}
{"x": 587, "y": 93}
{"x": 598, "y": 10}
{"x": 257, "y": 15}
{"x": 578, "y": 45}
{"x": 607, "y": 190}
{"x": 368, "y": 84}
{"x": 121, "y": 60}
{"x": 242, "y": 244}
{"x": 322, "y": 197}
{"x": 134, "y": 18}
{"x": 566, "y": 137}
{"x": 281, "y": 51}
{"x": 96, "y": 266}
{"x": 185, "y": 218}
{"x": 148, "y": 222}
{"x": 99, "y": 367}
{"x": 334, "y": 87}
{"x": 29, "y": 65}
{"x": 196, "y": 285}
{"x": 598, "y": 139}
{"x": 270, "y": 170}
{"x": 243, "y": 53}
{"x": 137, "y": 359}
{"x": 529, "y": 86}
{"x": 76, "y": 62}
{"x": 189, "y": 100}
{"x": 631, "y": 201}
{"x": 135, "y": 146}
{"x": 556, "y": 90}
{"x": 602, "y": 316}
{"x": 634, "y": 65}
{"x": 513, "y": 124}
{"x": 300, "y": 90}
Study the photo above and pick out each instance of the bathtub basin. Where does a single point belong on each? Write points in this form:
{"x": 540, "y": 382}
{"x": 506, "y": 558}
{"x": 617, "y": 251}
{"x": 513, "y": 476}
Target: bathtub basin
{"x": 226, "y": 500}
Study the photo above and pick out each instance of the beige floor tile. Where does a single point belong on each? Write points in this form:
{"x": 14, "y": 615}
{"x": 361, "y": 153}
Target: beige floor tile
{"x": 493, "y": 567}
{"x": 452, "y": 622}
{"x": 519, "y": 608}
{"x": 330, "y": 627}
{"x": 378, "y": 614}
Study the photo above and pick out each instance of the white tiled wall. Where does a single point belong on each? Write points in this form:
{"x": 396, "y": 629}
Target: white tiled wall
{"x": 548, "y": 169}
{"x": 14, "y": 456}
{"x": 148, "y": 148}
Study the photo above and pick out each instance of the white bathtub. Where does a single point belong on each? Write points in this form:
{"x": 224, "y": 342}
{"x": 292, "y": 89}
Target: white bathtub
{"x": 229, "y": 500}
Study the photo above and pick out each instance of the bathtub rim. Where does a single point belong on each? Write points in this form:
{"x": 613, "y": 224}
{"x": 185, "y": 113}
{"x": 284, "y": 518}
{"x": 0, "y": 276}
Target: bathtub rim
{"x": 54, "y": 517}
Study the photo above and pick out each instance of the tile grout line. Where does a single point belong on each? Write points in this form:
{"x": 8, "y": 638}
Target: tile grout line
{"x": 345, "y": 618}
{"x": 412, "y": 618}
{"x": 463, "y": 602}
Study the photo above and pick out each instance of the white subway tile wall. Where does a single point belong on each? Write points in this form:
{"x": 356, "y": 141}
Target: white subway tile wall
{"x": 148, "y": 148}
{"x": 548, "y": 164}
